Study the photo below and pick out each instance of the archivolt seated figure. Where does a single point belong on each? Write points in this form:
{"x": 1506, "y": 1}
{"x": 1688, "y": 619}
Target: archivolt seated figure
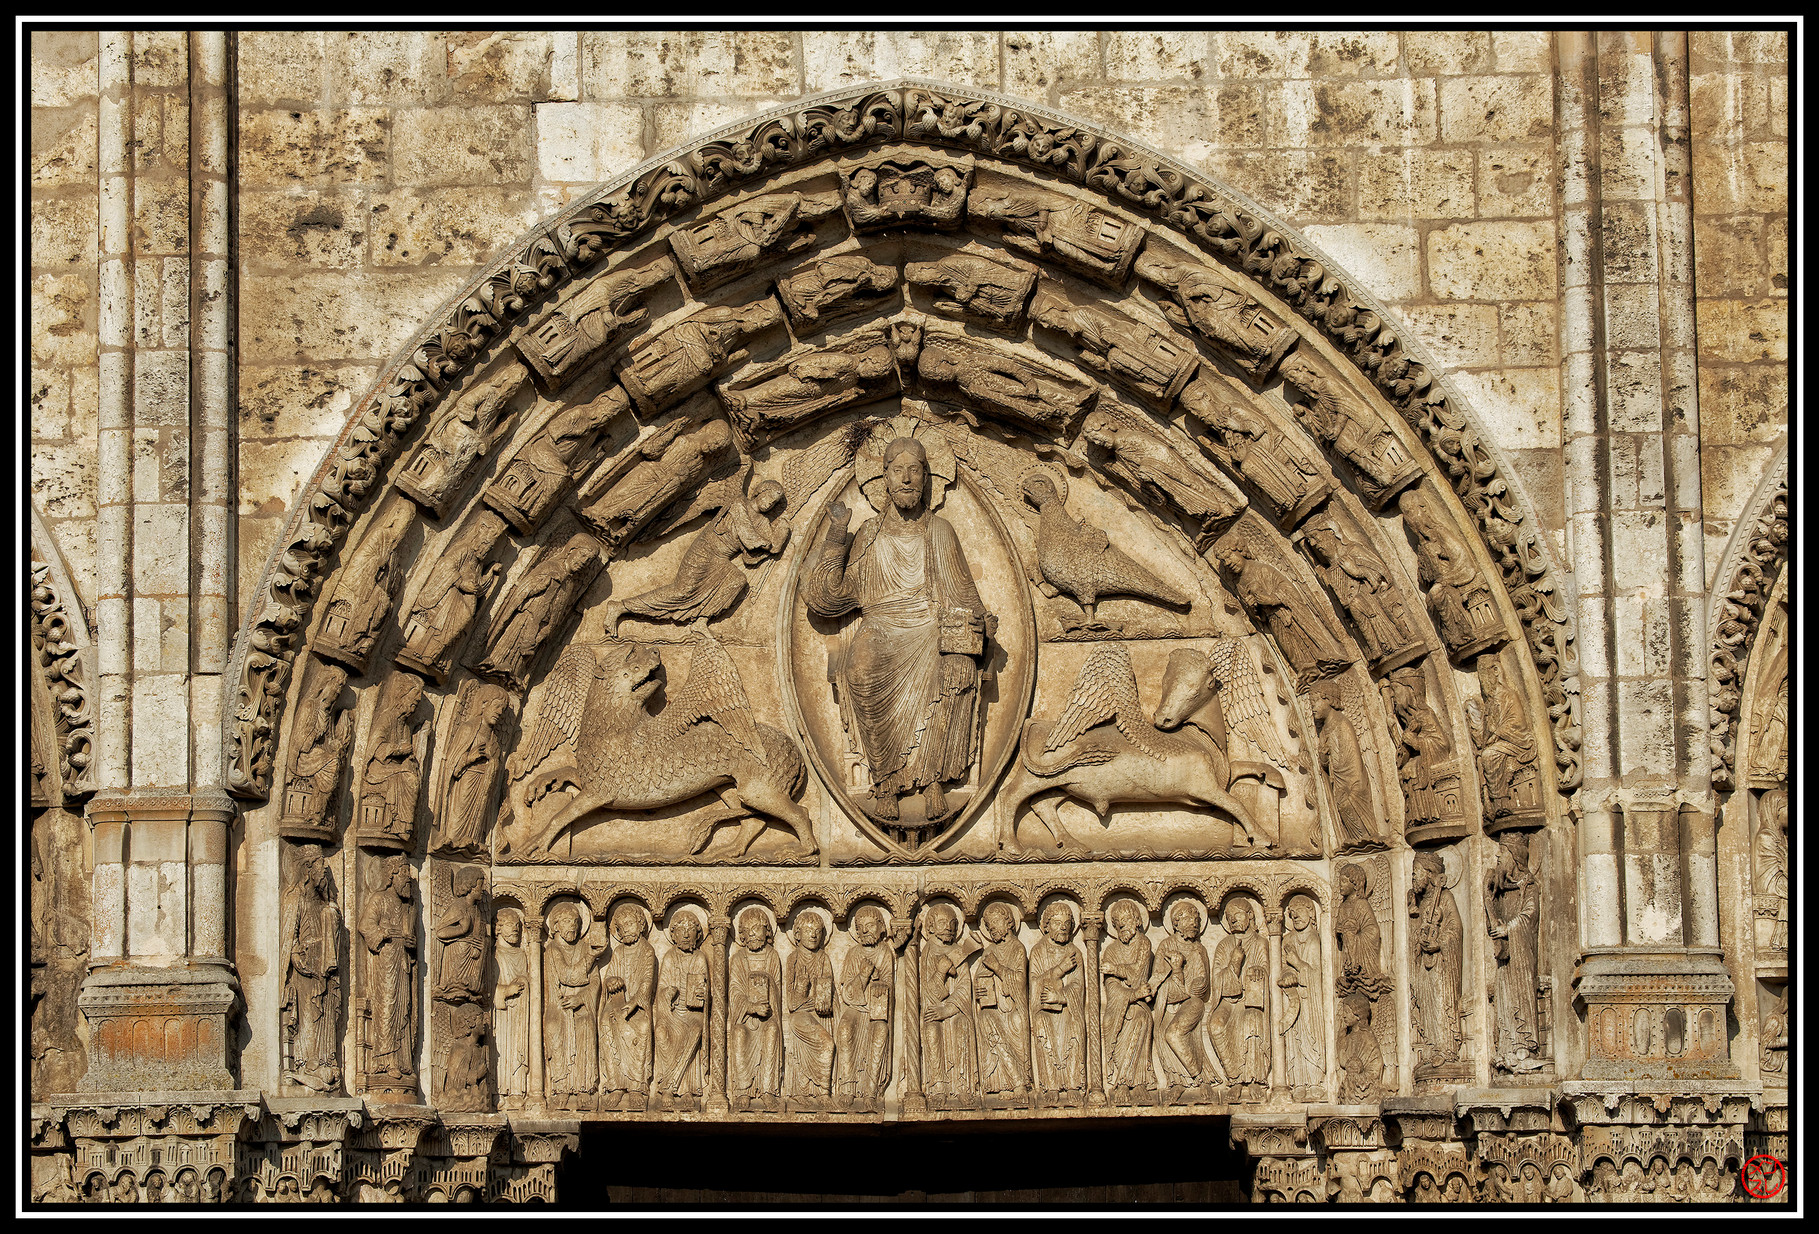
{"x": 909, "y": 674}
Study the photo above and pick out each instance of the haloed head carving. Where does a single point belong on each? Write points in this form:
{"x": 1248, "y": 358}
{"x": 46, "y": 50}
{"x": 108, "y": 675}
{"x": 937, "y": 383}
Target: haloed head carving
{"x": 754, "y": 930}
{"x": 1185, "y": 918}
{"x": 1125, "y": 920}
{"x": 1000, "y": 922}
{"x": 868, "y": 926}
{"x": 808, "y": 932}
{"x": 1058, "y": 923}
{"x": 906, "y": 474}
{"x": 685, "y": 931}
{"x": 628, "y": 924}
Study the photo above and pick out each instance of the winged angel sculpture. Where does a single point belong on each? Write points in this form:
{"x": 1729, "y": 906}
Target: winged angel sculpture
{"x": 595, "y": 732}
{"x": 1105, "y": 748}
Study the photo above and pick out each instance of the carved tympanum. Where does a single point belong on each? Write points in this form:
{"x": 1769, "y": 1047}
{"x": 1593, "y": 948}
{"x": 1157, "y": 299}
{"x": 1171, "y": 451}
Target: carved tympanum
{"x": 620, "y": 756}
{"x": 1104, "y": 749}
{"x": 749, "y": 528}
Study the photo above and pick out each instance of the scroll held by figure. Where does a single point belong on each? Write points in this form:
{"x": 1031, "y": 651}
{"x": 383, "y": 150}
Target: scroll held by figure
{"x": 908, "y": 674}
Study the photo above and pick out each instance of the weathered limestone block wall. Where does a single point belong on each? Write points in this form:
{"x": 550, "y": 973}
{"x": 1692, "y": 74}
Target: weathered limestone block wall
{"x": 1739, "y": 164}
{"x": 64, "y": 396}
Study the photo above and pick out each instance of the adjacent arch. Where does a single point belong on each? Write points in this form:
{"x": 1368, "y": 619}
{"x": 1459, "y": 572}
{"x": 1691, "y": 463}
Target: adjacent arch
{"x": 1747, "y": 576}
{"x": 1241, "y": 250}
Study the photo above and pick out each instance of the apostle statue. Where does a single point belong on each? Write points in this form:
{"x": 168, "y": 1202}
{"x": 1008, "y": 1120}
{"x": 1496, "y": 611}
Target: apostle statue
{"x": 908, "y": 676}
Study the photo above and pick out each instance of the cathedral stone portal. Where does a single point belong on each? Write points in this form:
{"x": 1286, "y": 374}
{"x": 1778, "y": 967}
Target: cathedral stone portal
{"x": 908, "y": 612}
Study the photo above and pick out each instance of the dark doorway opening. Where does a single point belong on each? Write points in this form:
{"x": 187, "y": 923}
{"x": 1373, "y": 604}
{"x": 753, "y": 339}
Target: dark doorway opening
{"x": 1086, "y": 1161}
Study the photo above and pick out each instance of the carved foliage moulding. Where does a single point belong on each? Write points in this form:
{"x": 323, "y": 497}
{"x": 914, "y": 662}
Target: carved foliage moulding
{"x": 1215, "y": 219}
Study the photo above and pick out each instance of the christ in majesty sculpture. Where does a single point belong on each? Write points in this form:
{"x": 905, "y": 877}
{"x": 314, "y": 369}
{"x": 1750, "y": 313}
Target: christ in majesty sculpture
{"x": 909, "y": 675}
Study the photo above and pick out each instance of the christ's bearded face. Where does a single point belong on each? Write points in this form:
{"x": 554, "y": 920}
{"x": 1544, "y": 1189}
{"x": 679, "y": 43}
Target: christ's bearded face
{"x": 906, "y": 476}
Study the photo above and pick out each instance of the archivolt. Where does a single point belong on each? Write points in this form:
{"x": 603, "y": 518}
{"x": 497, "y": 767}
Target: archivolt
{"x": 1747, "y": 575}
{"x": 1178, "y": 202}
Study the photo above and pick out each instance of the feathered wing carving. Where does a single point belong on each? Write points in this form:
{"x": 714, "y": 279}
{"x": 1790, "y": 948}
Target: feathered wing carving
{"x": 1241, "y": 699}
{"x": 810, "y": 468}
{"x": 715, "y": 496}
{"x": 1106, "y": 689}
{"x": 558, "y": 721}
{"x": 712, "y": 691}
